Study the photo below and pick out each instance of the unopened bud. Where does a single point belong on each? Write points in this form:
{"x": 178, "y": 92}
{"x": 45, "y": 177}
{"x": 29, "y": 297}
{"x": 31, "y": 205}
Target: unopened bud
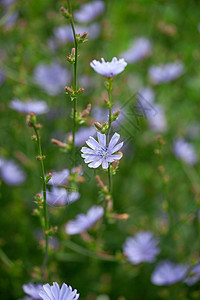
{"x": 59, "y": 143}
{"x": 83, "y": 35}
{"x": 73, "y": 52}
{"x": 70, "y": 138}
{"x": 117, "y": 112}
{"x": 31, "y": 119}
{"x": 69, "y": 90}
{"x": 65, "y": 12}
{"x": 98, "y": 125}
{"x": 121, "y": 216}
{"x": 86, "y": 111}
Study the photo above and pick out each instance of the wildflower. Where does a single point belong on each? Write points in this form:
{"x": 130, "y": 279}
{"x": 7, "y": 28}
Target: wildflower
{"x": 52, "y": 78}
{"x": 83, "y": 134}
{"x": 89, "y": 11}
{"x": 60, "y": 196}
{"x": 37, "y": 107}
{"x": 194, "y": 276}
{"x": 141, "y": 248}
{"x": 54, "y": 292}
{"x": 167, "y": 273}
{"x": 185, "y": 151}
{"x": 140, "y": 48}
{"x": 33, "y": 290}
{"x": 166, "y": 73}
{"x": 11, "y": 173}
{"x": 145, "y": 97}
{"x": 100, "y": 154}
{"x": 156, "y": 118}
{"x": 59, "y": 178}
{"x": 109, "y": 69}
{"x": 83, "y": 222}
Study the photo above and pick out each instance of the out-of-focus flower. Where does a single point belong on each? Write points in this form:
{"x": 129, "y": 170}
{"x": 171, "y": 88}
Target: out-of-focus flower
{"x": 83, "y": 222}
{"x": 11, "y": 173}
{"x": 167, "y": 273}
{"x": 185, "y": 151}
{"x": 140, "y": 49}
{"x": 64, "y": 33}
{"x": 52, "y": 78}
{"x": 166, "y": 73}
{"x": 39, "y": 236}
{"x": 109, "y": 69}
{"x": 194, "y": 276}
{"x": 54, "y": 292}
{"x": 141, "y": 248}
{"x": 32, "y": 290}
{"x": 10, "y": 18}
{"x": 89, "y": 11}
{"x": 156, "y": 118}
{"x": 100, "y": 154}
{"x": 83, "y": 134}
{"x": 145, "y": 100}
{"x": 37, "y": 107}
{"x": 2, "y": 77}
{"x": 60, "y": 196}
{"x": 7, "y": 2}
{"x": 59, "y": 178}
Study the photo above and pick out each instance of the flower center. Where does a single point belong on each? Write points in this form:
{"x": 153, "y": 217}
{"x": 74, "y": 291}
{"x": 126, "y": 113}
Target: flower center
{"x": 103, "y": 152}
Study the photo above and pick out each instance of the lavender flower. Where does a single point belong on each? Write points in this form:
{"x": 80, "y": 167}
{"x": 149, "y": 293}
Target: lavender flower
{"x": 64, "y": 33}
{"x": 166, "y": 73}
{"x": 100, "y": 154}
{"x": 37, "y": 107}
{"x": 61, "y": 197}
{"x": 141, "y": 248}
{"x": 89, "y": 11}
{"x": 167, "y": 273}
{"x": 32, "y": 290}
{"x": 140, "y": 48}
{"x": 54, "y": 292}
{"x": 156, "y": 118}
{"x": 109, "y": 69}
{"x": 11, "y": 173}
{"x": 83, "y": 222}
{"x": 194, "y": 276}
{"x": 52, "y": 78}
{"x": 185, "y": 151}
{"x": 7, "y": 2}
{"x": 59, "y": 178}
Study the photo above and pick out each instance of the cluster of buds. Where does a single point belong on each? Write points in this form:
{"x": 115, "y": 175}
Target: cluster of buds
{"x": 81, "y": 38}
{"x": 81, "y": 117}
{"x": 102, "y": 127}
{"x": 41, "y": 157}
{"x": 105, "y": 192}
{"x": 31, "y": 122}
{"x": 73, "y": 93}
{"x": 39, "y": 200}
{"x": 108, "y": 83}
{"x": 48, "y": 177}
{"x": 64, "y": 146}
{"x": 71, "y": 57}
{"x": 65, "y": 13}
{"x": 107, "y": 102}
{"x": 51, "y": 231}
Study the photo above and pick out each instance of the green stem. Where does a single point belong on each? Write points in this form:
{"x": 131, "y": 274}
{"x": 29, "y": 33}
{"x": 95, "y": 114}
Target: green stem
{"x": 46, "y": 225}
{"x": 108, "y": 133}
{"x": 74, "y": 83}
{"x": 5, "y": 259}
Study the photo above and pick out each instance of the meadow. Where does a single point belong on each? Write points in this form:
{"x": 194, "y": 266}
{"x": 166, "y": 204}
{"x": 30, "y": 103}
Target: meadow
{"x": 114, "y": 141}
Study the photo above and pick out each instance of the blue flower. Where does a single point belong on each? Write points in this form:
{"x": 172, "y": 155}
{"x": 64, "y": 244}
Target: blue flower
{"x": 89, "y": 11}
{"x": 167, "y": 273}
{"x": 140, "y": 49}
{"x": 52, "y": 78}
{"x": 60, "y": 196}
{"x": 166, "y": 73}
{"x": 11, "y": 173}
{"x": 59, "y": 178}
{"x": 185, "y": 151}
{"x": 83, "y": 222}
{"x": 33, "y": 290}
{"x": 100, "y": 154}
{"x": 37, "y": 107}
{"x": 141, "y": 248}
{"x": 54, "y": 292}
{"x": 109, "y": 69}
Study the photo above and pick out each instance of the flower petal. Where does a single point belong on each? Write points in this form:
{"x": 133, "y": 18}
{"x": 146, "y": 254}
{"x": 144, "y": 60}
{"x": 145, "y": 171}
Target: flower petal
{"x": 95, "y": 164}
{"x": 87, "y": 150}
{"x": 113, "y": 141}
{"x": 117, "y": 147}
{"x": 92, "y": 143}
{"x": 105, "y": 163}
{"x": 101, "y": 139}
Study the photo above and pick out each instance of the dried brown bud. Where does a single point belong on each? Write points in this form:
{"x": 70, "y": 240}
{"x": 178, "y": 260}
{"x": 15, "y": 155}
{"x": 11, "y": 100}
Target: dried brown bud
{"x": 86, "y": 111}
{"x": 117, "y": 112}
{"x": 106, "y": 101}
{"x": 83, "y": 35}
{"x": 70, "y": 138}
{"x": 59, "y": 143}
{"x": 69, "y": 90}
{"x": 98, "y": 125}
{"x": 121, "y": 216}
{"x": 73, "y": 51}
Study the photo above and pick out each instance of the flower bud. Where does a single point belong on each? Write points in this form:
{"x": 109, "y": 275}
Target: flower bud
{"x": 65, "y": 12}
{"x": 59, "y": 143}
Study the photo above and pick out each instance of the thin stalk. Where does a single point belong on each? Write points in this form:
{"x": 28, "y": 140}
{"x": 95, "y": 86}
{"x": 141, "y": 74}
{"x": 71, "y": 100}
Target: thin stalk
{"x": 46, "y": 223}
{"x": 75, "y": 82}
{"x": 108, "y": 133}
